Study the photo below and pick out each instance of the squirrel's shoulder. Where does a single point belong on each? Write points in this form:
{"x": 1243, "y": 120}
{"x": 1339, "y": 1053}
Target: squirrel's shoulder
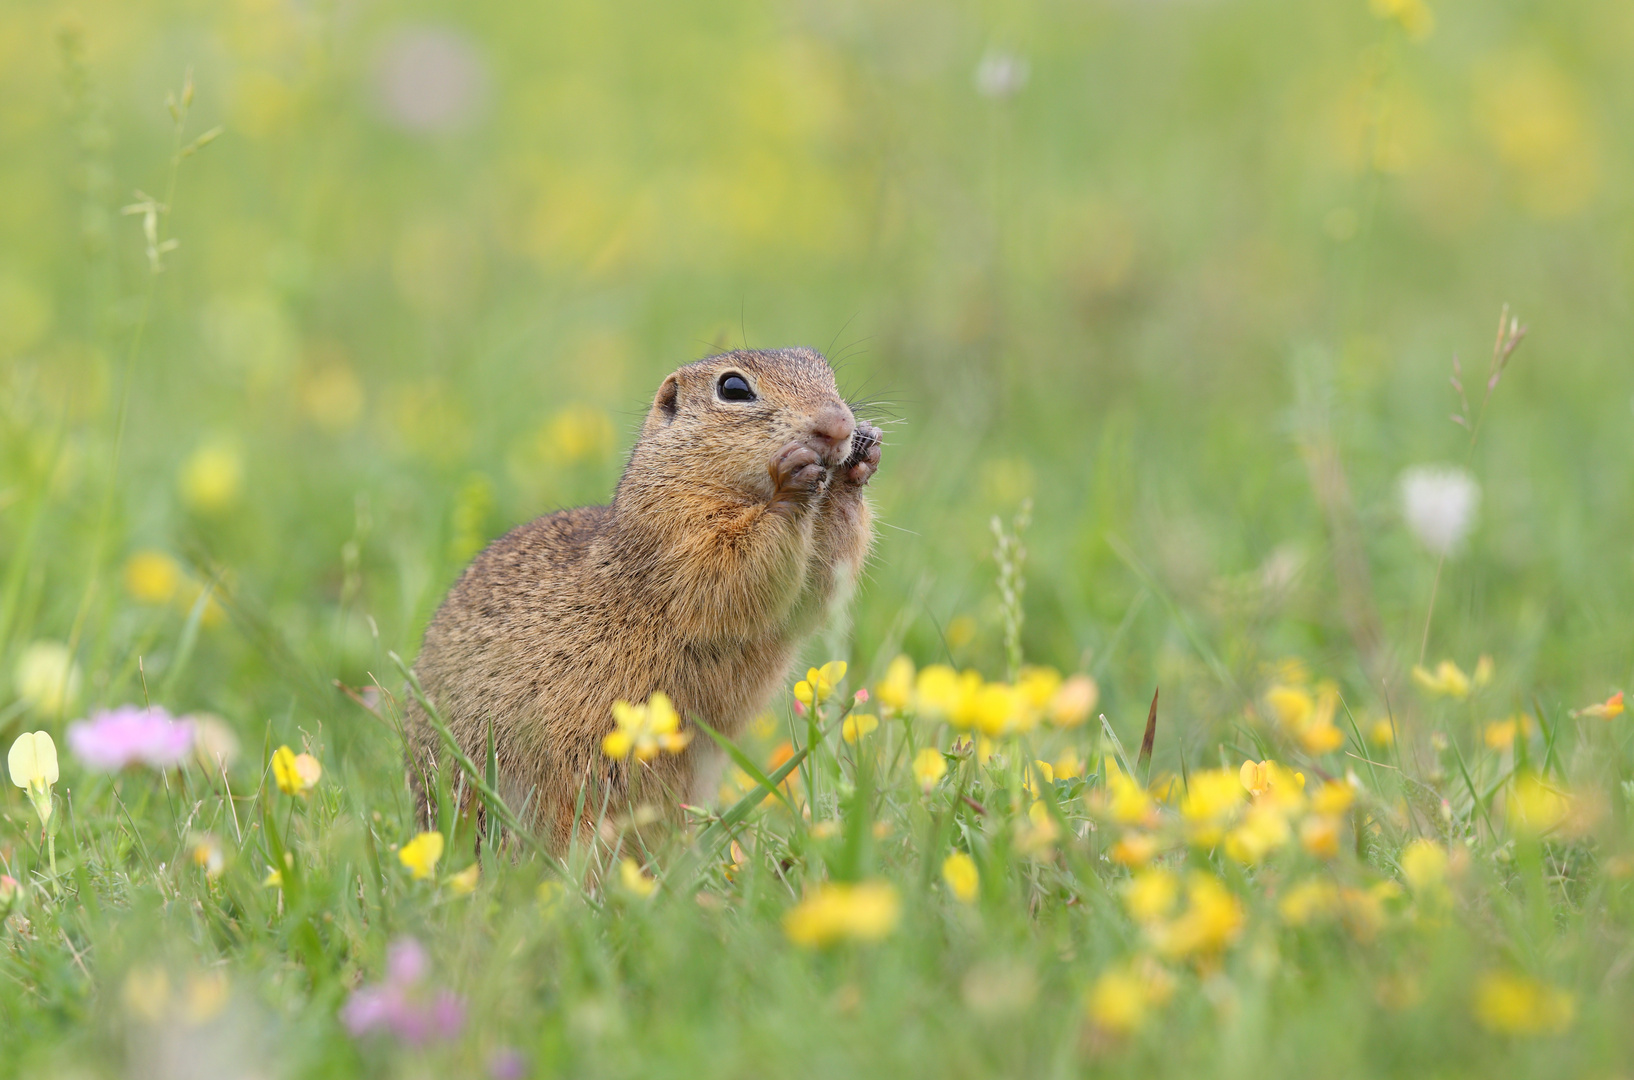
{"x": 536, "y": 548}
{"x": 557, "y": 537}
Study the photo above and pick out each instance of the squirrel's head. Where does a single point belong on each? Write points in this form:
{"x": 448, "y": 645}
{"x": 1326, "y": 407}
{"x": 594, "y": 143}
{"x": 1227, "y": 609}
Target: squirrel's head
{"x": 719, "y": 421}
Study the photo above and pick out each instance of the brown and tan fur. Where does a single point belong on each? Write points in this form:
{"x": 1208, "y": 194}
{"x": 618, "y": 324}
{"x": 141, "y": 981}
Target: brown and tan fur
{"x": 734, "y": 529}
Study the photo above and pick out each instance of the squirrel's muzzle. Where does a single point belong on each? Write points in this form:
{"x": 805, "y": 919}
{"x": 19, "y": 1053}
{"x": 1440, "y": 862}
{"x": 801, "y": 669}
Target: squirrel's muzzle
{"x": 831, "y": 428}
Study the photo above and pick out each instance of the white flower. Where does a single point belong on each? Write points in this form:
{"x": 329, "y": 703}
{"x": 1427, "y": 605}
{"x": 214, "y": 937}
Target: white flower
{"x": 47, "y": 677}
{"x": 1439, "y": 503}
{"x": 1001, "y": 75}
{"x": 431, "y": 80}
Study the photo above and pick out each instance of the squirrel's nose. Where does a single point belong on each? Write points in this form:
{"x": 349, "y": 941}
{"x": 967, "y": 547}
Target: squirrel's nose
{"x": 832, "y": 426}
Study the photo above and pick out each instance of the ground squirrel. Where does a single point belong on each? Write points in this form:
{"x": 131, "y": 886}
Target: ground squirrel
{"x": 738, "y": 523}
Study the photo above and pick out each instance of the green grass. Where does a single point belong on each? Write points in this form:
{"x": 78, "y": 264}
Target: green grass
{"x": 1193, "y": 290}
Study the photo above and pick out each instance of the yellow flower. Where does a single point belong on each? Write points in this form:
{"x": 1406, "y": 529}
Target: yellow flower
{"x": 1447, "y": 680}
{"x": 1307, "y": 717}
{"x": 420, "y": 855}
{"x": 1122, "y": 997}
{"x": 1319, "y": 835}
{"x": 1414, "y": 16}
{"x": 819, "y": 683}
{"x": 1212, "y": 799}
{"x": 465, "y": 882}
{"x": 1038, "y": 774}
{"x": 33, "y": 766}
{"x": 1255, "y": 778}
{"x": 1292, "y": 706}
{"x": 645, "y": 730}
{"x": 1500, "y": 734}
{"x": 1362, "y": 910}
{"x": 1333, "y": 797}
{"x": 1036, "y": 839}
{"x": 1264, "y": 829}
{"x": 1319, "y": 739}
{"x": 211, "y": 477}
{"x": 1424, "y": 865}
{"x": 963, "y": 880}
{"x": 1134, "y": 849}
{"x": 1382, "y": 733}
{"x": 1037, "y": 687}
{"x": 1604, "y": 710}
{"x": 1151, "y": 895}
{"x": 1117, "y": 1002}
{"x": 147, "y": 992}
{"x": 577, "y": 433}
{"x": 634, "y": 879}
{"x": 47, "y": 677}
{"x": 208, "y": 856}
{"x": 1307, "y": 901}
{"x": 936, "y": 691}
{"x": 152, "y": 577}
{"x": 33, "y": 761}
{"x": 1069, "y": 765}
{"x": 896, "y": 691}
{"x": 1212, "y": 920}
{"x": 1270, "y": 782}
{"x": 857, "y": 725}
{"x": 1074, "y": 701}
{"x": 206, "y": 995}
{"x": 1518, "y": 1005}
{"x": 996, "y": 709}
{"x": 961, "y": 631}
{"x": 866, "y": 911}
{"x": 1534, "y": 808}
{"x": 1127, "y": 802}
{"x": 929, "y": 766}
{"x": 296, "y": 774}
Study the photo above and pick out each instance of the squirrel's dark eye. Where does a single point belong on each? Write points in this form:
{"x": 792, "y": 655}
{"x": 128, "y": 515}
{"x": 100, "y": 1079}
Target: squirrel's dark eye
{"x": 734, "y": 387}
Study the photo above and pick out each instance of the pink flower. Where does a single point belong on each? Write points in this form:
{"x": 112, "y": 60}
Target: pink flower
{"x": 401, "y": 1005}
{"x": 507, "y": 1063}
{"x": 113, "y": 739}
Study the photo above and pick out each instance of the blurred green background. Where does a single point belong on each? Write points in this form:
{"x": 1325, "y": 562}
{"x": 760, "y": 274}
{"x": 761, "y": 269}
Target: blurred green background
{"x": 1143, "y": 263}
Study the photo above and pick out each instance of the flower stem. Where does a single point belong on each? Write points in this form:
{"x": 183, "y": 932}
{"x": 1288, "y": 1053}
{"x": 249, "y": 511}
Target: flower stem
{"x": 1429, "y": 613}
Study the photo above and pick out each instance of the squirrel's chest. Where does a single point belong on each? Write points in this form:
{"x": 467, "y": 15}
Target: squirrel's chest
{"x": 729, "y": 685}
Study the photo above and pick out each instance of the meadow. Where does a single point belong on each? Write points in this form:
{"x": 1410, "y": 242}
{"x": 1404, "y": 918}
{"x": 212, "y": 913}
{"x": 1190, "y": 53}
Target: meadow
{"x": 1255, "y": 355}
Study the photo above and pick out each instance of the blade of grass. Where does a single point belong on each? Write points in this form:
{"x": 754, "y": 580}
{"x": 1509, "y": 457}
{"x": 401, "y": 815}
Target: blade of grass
{"x": 710, "y": 839}
{"x": 1550, "y": 732}
{"x": 1145, "y": 759}
{"x": 1469, "y": 782}
{"x": 1208, "y": 654}
{"x": 1117, "y": 746}
{"x": 493, "y": 800}
{"x": 1361, "y": 746}
{"x": 185, "y": 645}
{"x": 744, "y": 762}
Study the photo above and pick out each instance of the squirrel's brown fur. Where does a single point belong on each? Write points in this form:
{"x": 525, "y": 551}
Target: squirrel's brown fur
{"x": 735, "y": 527}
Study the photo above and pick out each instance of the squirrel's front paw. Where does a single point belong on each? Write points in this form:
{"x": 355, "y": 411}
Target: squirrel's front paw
{"x": 797, "y": 473}
{"x": 864, "y": 459}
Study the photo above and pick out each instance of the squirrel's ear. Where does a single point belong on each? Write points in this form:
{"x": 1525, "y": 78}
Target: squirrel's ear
{"x": 668, "y": 399}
